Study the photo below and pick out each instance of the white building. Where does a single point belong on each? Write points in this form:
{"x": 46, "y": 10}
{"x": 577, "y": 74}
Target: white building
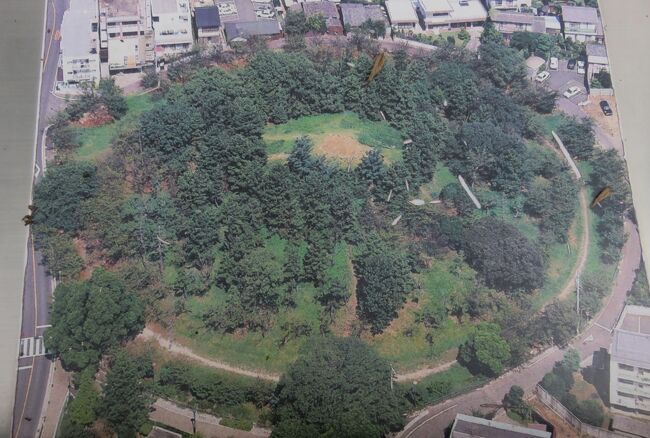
{"x": 172, "y": 25}
{"x": 597, "y": 60}
{"x": 582, "y": 24}
{"x": 629, "y": 366}
{"x": 126, "y": 34}
{"x": 447, "y": 14}
{"x": 466, "y": 426}
{"x": 402, "y": 15}
{"x": 79, "y": 59}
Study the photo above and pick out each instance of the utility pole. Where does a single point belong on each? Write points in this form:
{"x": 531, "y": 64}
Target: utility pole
{"x": 578, "y": 302}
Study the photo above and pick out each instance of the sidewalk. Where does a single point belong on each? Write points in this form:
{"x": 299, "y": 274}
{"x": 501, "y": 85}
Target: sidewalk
{"x": 53, "y": 408}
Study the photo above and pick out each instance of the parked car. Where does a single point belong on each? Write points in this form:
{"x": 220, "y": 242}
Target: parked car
{"x": 571, "y": 64}
{"x": 542, "y": 76}
{"x": 553, "y": 65}
{"x": 261, "y": 1}
{"x": 607, "y": 110}
{"x": 581, "y": 67}
{"x": 572, "y": 91}
{"x": 264, "y": 13}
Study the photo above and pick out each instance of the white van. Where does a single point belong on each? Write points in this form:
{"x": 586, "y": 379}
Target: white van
{"x": 553, "y": 65}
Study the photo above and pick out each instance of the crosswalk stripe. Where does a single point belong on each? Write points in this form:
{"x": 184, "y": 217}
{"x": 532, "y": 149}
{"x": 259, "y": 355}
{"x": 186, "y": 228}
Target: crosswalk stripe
{"x": 30, "y": 347}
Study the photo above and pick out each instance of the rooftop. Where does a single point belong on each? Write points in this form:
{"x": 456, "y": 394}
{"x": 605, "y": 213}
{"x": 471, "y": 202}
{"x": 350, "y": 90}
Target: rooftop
{"x": 164, "y": 6}
{"x": 401, "y": 11}
{"x": 437, "y": 6}
{"x": 632, "y": 335}
{"x": 325, "y": 8}
{"x": 473, "y": 10}
{"x": 474, "y": 427}
{"x": 512, "y": 17}
{"x": 245, "y": 29}
{"x": 207, "y": 16}
{"x": 119, "y": 8}
{"x": 355, "y": 14}
{"x": 77, "y": 38}
{"x": 158, "y": 432}
{"x": 596, "y": 50}
{"x": 580, "y": 14}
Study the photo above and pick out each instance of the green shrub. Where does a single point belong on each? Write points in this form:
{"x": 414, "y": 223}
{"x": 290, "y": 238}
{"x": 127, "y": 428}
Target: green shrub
{"x": 237, "y": 423}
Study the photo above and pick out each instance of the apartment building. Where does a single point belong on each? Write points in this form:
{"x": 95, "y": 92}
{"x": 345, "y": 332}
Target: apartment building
{"x": 582, "y": 24}
{"x": 79, "y": 60}
{"x": 172, "y": 25}
{"x": 440, "y": 15}
{"x": 126, "y": 34}
{"x": 629, "y": 365}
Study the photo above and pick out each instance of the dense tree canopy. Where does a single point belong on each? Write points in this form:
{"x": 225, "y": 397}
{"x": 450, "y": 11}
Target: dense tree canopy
{"x": 60, "y": 193}
{"x": 125, "y": 404}
{"x": 382, "y": 284}
{"x": 485, "y": 351}
{"x": 89, "y": 317}
{"x": 505, "y": 257}
{"x": 337, "y": 387}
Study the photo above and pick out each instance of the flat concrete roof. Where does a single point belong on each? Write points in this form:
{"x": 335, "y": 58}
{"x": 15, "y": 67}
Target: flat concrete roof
{"x": 437, "y": 6}
{"x": 77, "y": 38}
{"x": 163, "y": 6}
{"x": 632, "y": 336}
{"x": 472, "y": 11}
{"x": 401, "y": 11}
{"x": 580, "y": 14}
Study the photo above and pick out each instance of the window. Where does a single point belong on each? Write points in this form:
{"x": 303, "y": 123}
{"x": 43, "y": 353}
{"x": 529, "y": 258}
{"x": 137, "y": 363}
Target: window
{"x": 624, "y": 394}
{"x": 622, "y": 366}
{"x": 625, "y": 381}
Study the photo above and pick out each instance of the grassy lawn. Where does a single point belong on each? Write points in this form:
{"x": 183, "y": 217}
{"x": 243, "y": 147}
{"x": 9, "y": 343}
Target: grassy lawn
{"x": 280, "y": 138}
{"x": 405, "y": 342}
{"x": 441, "y": 386}
{"x": 95, "y": 141}
{"x": 250, "y": 349}
{"x": 550, "y": 122}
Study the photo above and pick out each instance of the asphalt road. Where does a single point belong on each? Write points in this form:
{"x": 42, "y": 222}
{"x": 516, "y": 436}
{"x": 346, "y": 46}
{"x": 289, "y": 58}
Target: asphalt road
{"x": 433, "y": 421}
{"x": 33, "y": 372}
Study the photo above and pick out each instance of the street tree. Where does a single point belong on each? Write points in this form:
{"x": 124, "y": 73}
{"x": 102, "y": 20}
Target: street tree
{"x": 90, "y": 317}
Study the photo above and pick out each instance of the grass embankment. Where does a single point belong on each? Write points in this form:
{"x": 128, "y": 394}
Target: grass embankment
{"x": 96, "y": 141}
{"x": 329, "y": 130}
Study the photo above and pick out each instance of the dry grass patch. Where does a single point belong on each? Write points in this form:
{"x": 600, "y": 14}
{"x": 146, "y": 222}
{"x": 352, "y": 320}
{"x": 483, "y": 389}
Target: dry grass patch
{"x": 341, "y": 147}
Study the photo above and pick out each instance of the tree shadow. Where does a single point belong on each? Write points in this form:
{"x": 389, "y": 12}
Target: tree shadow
{"x": 598, "y": 374}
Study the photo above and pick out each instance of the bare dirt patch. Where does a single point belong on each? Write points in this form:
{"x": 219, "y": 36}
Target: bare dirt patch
{"x": 608, "y": 123}
{"x": 91, "y": 119}
{"x": 341, "y": 147}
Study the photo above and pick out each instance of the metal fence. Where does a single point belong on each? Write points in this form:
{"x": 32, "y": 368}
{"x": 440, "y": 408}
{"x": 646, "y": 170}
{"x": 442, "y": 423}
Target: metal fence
{"x": 601, "y": 91}
{"x": 584, "y": 428}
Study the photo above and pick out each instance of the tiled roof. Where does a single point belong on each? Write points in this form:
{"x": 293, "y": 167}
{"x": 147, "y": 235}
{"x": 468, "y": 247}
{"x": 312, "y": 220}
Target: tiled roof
{"x": 207, "y": 17}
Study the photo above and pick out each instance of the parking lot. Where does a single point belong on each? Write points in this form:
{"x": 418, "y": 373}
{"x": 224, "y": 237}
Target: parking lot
{"x": 563, "y": 78}
{"x": 243, "y": 10}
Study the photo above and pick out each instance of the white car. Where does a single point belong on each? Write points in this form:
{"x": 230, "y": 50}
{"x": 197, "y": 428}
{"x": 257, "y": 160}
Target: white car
{"x": 261, "y": 1}
{"x": 541, "y": 77}
{"x": 554, "y": 63}
{"x": 581, "y": 67}
{"x": 572, "y": 91}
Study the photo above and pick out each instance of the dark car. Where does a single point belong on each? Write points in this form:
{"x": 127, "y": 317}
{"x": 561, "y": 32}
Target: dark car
{"x": 571, "y": 64}
{"x": 607, "y": 110}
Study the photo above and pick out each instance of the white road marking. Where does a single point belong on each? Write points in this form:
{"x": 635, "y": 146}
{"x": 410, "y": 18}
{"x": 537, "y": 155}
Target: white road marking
{"x": 26, "y": 367}
{"x": 44, "y": 326}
